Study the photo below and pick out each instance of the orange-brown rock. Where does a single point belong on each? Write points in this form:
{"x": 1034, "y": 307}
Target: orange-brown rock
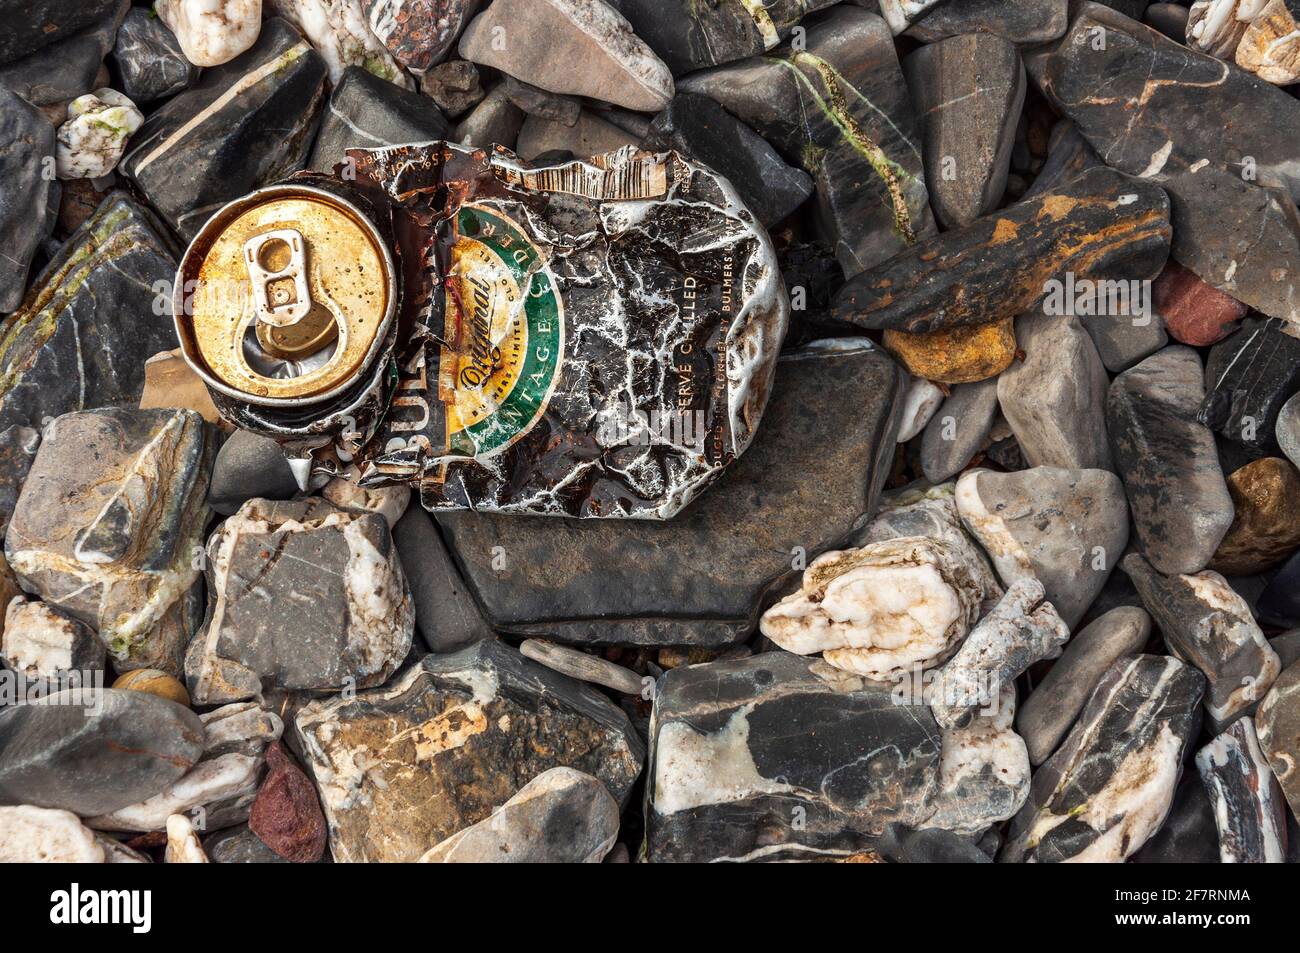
{"x": 958, "y": 356}
{"x": 151, "y": 681}
{"x": 1266, "y": 527}
{"x": 170, "y": 382}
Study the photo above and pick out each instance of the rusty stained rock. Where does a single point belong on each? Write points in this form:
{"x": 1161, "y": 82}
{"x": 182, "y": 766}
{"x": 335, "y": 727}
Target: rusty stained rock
{"x": 1099, "y": 226}
{"x": 1266, "y": 527}
{"x": 402, "y": 768}
{"x": 957, "y": 356}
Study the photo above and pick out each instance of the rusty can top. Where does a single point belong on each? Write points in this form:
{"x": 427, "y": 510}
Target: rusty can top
{"x": 285, "y": 296}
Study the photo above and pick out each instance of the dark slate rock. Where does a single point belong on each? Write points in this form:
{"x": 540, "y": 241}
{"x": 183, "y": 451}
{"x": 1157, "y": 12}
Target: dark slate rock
{"x": 69, "y": 346}
{"x": 1111, "y": 784}
{"x": 66, "y": 69}
{"x": 699, "y": 128}
{"x": 247, "y": 123}
{"x": 446, "y": 614}
{"x": 689, "y": 36}
{"x": 29, "y": 202}
{"x": 1280, "y": 602}
{"x": 935, "y": 846}
{"x": 419, "y": 33}
{"x": 1176, "y": 491}
{"x": 811, "y": 475}
{"x": 1022, "y": 21}
{"x": 149, "y": 59}
{"x": 1169, "y": 18}
{"x": 302, "y": 596}
{"x": 366, "y": 112}
{"x": 970, "y": 92}
{"x": 1172, "y": 91}
{"x": 1249, "y": 809}
{"x": 839, "y": 107}
{"x": 459, "y": 735}
{"x": 494, "y": 121}
{"x": 94, "y": 751}
{"x": 455, "y": 86}
{"x": 1188, "y": 836}
{"x": 1068, "y": 157}
{"x": 536, "y": 101}
{"x": 108, "y": 524}
{"x": 730, "y": 780}
{"x": 1248, "y": 378}
{"x": 1207, "y": 624}
{"x": 959, "y": 429}
{"x": 1101, "y": 225}
{"x": 249, "y": 466}
{"x": 31, "y": 25}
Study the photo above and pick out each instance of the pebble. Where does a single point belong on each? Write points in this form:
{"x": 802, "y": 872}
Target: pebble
{"x": 110, "y": 538}
{"x": 900, "y": 14}
{"x": 1248, "y": 378}
{"x": 43, "y": 22}
{"x": 1194, "y": 313}
{"x": 183, "y": 845}
{"x": 91, "y": 142}
{"x": 67, "y": 68}
{"x": 1217, "y": 26}
{"x": 1026, "y": 22}
{"x": 1101, "y": 225}
{"x": 1210, "y": 626}
{"x": 1266, "y": 527}
{"x": 30, "y": 201}
{"x": 495, "y": 120}
{"x": 153, "y": 682}
{"x": 589, "y": 136}
{"x": 1057, "y": 699}
{"x": 340, "y": 32}
{"x": 309, "y": 567}
{"x": 617, "y": 67}
{"x": 245, "y": 124}
{"x": 1110, "y": 785}
{"x": 38, "y": 835}
{"x": 45, "y": 645}
{"x": 562, "y": 816}
{"x": 1270, "y": 47}
{"x": 699, "y": 127}
{"x": 935, "y": 846}
{"x": 1287, "y": 429}
{"x": 881, "y": 610}
{"x": 369, "y": 763}
{"x": 958, "y": 430}
{"x": 212, "y": 32}
{"x": 1065, "y": 528}
{"x": 961, "y": 356}
{"x": 538, "y": 102}
{"x": 919, "y": 405}
{"x": 390, "y": 502}
{"x": 1019, "y": 631}
{"x": 239, "y": 845}
{"x": 367, "y": 112}
{"x": 1279, "y": 603}
{"x": 584, "y": 667}
{"x": 1278, "y": 725}
{"x": 1177, "y": 495}
{"x": 726, "y": 770}
{"x": 418, "y": 33}
{"x": 846, "y": 82}
{"x": 249, "y": 466}
{"x": 1055, "y": 399}
{"x": 970, "y": 91}
{"x": 1249, "y": 810}
{"x": 455, "y": 86}
{"x": 286, "y": 814}
{"x": 57, "y": 757}
{"x": 812, "y": 475}
{"x": 446, "y": 614}
{"x": 150, "y": 59}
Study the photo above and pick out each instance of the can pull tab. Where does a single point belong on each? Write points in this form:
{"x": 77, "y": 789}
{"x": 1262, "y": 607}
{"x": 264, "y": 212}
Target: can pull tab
{"x": 277, "y": 266}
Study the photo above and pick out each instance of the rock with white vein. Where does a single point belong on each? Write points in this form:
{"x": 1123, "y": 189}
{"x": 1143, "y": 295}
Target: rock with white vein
{"x": 1217, "y": 26}
{"x": 340, "y": 32}
{"x": 1249, "y": 809}
{"x": 183, "y": 845}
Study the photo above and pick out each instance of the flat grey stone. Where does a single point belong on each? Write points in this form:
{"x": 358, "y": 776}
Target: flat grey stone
{"x": 495, "y": 120}
{"x": 1046, "y": 716}
{"x": 1065, "y": 528}
{"x": 959, "y": 429}
{"x": 29, "y": 203}
{"x": 149, "y": 58}
{"x": 970, "y": 92}
{"x": 91, "y": 751}
{"x": 1055, "y": 399}
{"x": 366, "y": 112}
{"x": 1169, "y": 463}
{"x": 446, "y": 614}
{"x": 249, "y": 466}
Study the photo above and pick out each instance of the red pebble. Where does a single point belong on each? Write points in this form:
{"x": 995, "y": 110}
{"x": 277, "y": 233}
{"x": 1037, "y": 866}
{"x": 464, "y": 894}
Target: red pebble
{"x": 286, "y": 814}
{"x": 1195, "y": 313}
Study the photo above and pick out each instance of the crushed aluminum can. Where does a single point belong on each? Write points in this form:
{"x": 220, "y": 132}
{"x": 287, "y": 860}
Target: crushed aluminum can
{"x": 588, "y": 339}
